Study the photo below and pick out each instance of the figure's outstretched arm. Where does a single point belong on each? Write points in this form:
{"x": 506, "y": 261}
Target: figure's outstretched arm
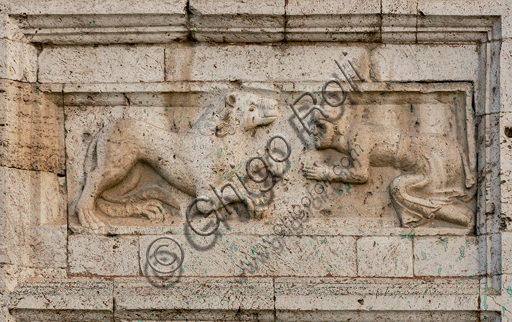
{"x": 321, "y": 173}
{"x": 358, "y": 172}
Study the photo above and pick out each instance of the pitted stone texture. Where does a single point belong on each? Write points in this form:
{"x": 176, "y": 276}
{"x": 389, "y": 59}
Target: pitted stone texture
{"x": 238, "y": 7}
{"x": 193, "y": 298}
{"x": 49, "y": 7}
{"x": 506, "y": 253}
{"x": 384, "y": 257}
{"x": 365, "y": 294}
{"x": 384, "y": 316}
{"x": 505, "y": 80}
{"x": 473, "y": 8}
{"x": 313, "y": 7}
{"x": 446, "y": 256}
{"x": 62, "y": 300}
{"x": 33, "y": 222}
{"x": 104, "y": 64}
{"x": 32, "y": 132}
{"x": 261, "y": 62}
{"x": 233, "y": 255}
{"x": 505, "y": 157}
{"x": 403, "y": 63}
{"x": 103, "y": 256}
{"x": 18, "y": 61}
{"x": 400, "y": 6}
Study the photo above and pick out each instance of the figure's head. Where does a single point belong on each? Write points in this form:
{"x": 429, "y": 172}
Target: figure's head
{"x": 246, "y": 110}
{"x": 324, "y": 133}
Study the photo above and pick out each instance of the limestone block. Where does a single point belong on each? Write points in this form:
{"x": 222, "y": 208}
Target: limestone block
{"x": 476, "y": 8}
{"x": 365, "y": 294}
{"x": 237, "y": 21}
{"x": 431, "y": 316}
{"x": 312, "y": 7}
{"x": 190, "y": 298}
{"x": 505, "y": 76}
{"x": 53, "y": 7}
{"x": 62, "y": 300}
{"x": 506, "y": 252}
{"x": 238, "y": 7}
{"x": 101, "y": 64}
{"x": 18, "y": 61}
{"x": 246, "y": 63}
{"x": 33, "y": 219}
{"x": 424, "y": 63}
{"x": 233, "y": 255}
{"x": 105, "y": 256}
{"x": 32, "y": 132}
{"x": 446, "y": 256}
{"x": 505, "y": 123}
{"x": 400, "y": 6}
{"x": 385, "y": 256}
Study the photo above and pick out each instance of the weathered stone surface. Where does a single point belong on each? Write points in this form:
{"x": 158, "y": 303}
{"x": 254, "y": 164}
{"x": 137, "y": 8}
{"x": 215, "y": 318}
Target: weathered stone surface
{"x": 257, "y": 256}
{"x": 238, "y": 7}
{"x": 363, "y": 294}
{"x": 63, "y": 300}
{"x": 424, "y": 63}
{"x": 505, "y": 82}
{"x": 101, "y": 64}
{"x": 246, "y": 63}
{"x": 199, "y": 298}
{"x": 312, "y": 7}
{"x": 18, "y": 61}
{"x": 103, "y": 256}
{"x": 53, "y": 7}
{"x": 305, "y": 160}
{"x": 33, "y": 219}
{"x": 384, "y": 257}
{"x": 32, "y": 132}
{"x": 446, "y": 256}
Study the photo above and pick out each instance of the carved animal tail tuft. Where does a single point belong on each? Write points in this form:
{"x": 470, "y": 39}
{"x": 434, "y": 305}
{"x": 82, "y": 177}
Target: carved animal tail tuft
{"x": 92, "y": 153}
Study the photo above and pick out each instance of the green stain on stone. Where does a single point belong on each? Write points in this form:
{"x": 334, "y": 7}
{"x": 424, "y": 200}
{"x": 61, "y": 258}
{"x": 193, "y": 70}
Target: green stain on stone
{"x": 444, "y": 242}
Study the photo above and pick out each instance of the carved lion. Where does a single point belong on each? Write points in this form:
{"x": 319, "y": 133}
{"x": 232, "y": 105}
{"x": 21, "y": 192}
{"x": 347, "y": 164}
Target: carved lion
{"x": 191, "y": 162}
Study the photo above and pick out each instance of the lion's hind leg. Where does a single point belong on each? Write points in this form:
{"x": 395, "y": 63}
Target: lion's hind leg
{"x": 97, "y": 181}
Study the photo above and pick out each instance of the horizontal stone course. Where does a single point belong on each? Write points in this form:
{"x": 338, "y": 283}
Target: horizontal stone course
{"x": 104, "y": 64}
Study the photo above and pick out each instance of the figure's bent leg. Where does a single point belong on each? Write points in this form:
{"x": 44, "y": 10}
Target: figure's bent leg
{"x": 457, "y": 213}
{"x": 411, "y": 211}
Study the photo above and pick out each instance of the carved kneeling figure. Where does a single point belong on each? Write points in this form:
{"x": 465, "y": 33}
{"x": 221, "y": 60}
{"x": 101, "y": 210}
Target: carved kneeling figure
{"x": 436, "y": 178}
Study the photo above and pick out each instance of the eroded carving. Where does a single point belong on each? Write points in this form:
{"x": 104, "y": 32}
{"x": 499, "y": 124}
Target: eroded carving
{"x": 120, "y": 151}
{"x": 435, "y": 182}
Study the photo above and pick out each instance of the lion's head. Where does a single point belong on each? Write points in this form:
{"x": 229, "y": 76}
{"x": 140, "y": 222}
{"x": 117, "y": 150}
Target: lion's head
{"x": 244, "y": 110}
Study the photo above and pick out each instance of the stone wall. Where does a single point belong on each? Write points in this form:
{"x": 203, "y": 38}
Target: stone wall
{"x": 255, "y": 160}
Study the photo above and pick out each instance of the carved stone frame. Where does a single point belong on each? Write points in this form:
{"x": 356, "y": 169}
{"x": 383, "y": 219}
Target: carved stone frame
{"x": 57, "y": 296}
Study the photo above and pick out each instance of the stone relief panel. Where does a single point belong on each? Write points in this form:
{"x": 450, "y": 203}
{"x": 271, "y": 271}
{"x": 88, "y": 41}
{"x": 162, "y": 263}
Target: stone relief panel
{"x": 135, "y": 169}
{"x": 358, "y": 160}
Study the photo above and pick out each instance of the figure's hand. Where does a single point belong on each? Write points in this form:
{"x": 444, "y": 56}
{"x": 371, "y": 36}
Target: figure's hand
{"x": 316, "y": 172}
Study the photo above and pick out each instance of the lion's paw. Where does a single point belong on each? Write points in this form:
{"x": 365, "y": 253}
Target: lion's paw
{"x": 152, "y": 209}
{"x": 88, "y": 219}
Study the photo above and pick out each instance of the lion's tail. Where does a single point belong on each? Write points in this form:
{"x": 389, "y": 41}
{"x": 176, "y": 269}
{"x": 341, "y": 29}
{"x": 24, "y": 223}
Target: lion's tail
{"x": 91, "y": 155}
